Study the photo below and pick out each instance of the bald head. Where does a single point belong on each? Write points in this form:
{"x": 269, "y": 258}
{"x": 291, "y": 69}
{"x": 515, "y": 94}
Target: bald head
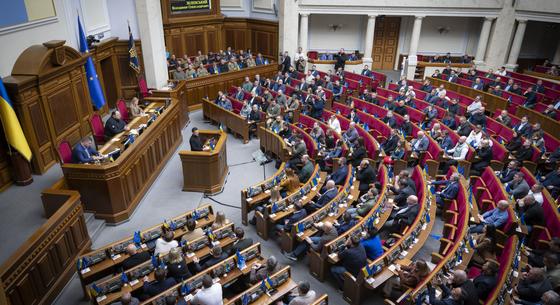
{"x": 412, "y": 200}
{"x": 503, "y": 205}
{"x": 330, "y": 184}
{"x": 126, "y": 298}
{"x": 459, "y": 277}
{"x": 131, "y": 249}
{"x": 462, "y": 139}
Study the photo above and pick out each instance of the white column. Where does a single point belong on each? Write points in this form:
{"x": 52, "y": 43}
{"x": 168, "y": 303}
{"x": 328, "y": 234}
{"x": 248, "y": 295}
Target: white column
{"x": 483, "y": 40}
{"x": 556, "y": 59}
{"x": 150, "y": 26}
{"x": 414, "y": 40}
{"x": 288, "y": 22}
{"x": 517, "y": 42}
{"x": 370, "y": 32}
{"x": 304, "y": 26}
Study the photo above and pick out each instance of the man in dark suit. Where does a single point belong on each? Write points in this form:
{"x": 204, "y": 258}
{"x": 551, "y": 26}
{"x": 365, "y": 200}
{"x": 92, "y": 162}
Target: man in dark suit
{"x": 340, "y": 58}
{"x": 195, "y": 141}
{"x": 353, "y": 259}
{"x": 340, "y": 174}
{"x": 485, "y": 282}
{"x": 450, "y": 190}
{"x": 402, "y": 216}
{"x": 161, "y": 284}
{"x": 427, "y": 86}
{"x": 518, "y": 187}
{"x": 402, "y": 194}
{"x": 299, "y": 214}
{"x": 483, "y": 158}
{"x": 421, "y": 143}
{"x": 525, "y": 153}
{"x": 366, "y": 175}
{"x": 217, "y": 256}
{"x": 459, "y": 279}
{"x": 406, "y": 126}
{"x": 366, "y": 71}
{"x": 328, "y": 194}
{"x": 84, "y": 152}
{"x": 530, "y": 98}
{"x": 135, "y": 257}
{"x": 506, "y": 175}
{"x": 317, "y": 108}
{"x": 389, "y": 119}
{"x": 453, "y": 78}
{"x": 391, "y": 143}
{"x": 532, "y": 286}
{"x": 241, "y": 243}
{"x": 286, "y": 62}
{"x": 523, "y": 128}
{"x": 115, "y": 125}
{"x": 464, "y": 128}
{"x": 538, "y": 87}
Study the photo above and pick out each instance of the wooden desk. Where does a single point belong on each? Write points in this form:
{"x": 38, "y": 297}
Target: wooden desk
{"x": 229, "y": 119}
{"x": 113, "y": 190}
{"x": 205, "y": 171}
{"x": 264, "y": 298}
{"x": 178, "y": 92}
{"x": 273, "y": 143}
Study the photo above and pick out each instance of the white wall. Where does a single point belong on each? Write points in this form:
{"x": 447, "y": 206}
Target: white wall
{"x": 98, "y": 16}
{"x": 462, "y": 36}
{"x": 350, "y": 36}
{"x": 540, "y": 40}
{"x": 254, "y": 9}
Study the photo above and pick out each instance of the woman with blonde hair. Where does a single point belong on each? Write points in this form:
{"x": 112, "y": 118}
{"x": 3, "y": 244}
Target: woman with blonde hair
{"x": 220, "y": 220}
{"x": 291, "y": 183}
{"x": 135, "y": 110}
{"x": 177, "y": 266}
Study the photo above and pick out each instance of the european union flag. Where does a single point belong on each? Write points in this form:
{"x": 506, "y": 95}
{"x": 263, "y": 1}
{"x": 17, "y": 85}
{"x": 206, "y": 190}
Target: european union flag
{"x": 245, "y": 299}
{"x": 172, "y": 225}
{"x": 366, "y": 127}
{"x": 508, "y": 188}
{"x": 390, "y": 172}
{"x": 154, "y": 261}
{"x": 428, "y": 218}
{"x": 137, "y": 238}
{"x": 124, "y": 278}
{"x": 132, "y": 54}
{"x": 274, "y": 207}
{"x": 461, "y": 170}
{"x": 95, "y": 92}
{"x": 195, "y": 215}
{"x": 240, "y": 260}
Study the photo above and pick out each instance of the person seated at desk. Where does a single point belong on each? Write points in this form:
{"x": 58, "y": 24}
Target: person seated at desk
{"x": 241, "y": 243}
{"x": 496, "y": 218}
{"x": 135, "y": 110}
{"x": 402, "y": 216}
{"x": 352, "y": 259}
{"x": 220, "y": 220}
{"x": 304, "y": 295}
{"x": 485, "y": 282}
{"x": 158, "y": 286}
{"x": 115, "y": 125}
{"x": 307, "y": 170}
{"x": 532, "y": 286}
{"x": 135, "y": 257}
{"x": 260, "y": 272}
{"x": 218, "y": 255}
{"x": 366, "y": 175}
{"x": 165, "y": 243}
{"x": 367, "y": 201}
{"x": 449, "y": 192}
{"x": 408, "y": 276}
{"x": 192, "y": 231}
{"x": 328, "y": 194}
{"x": 339, "y": 176}
{"x": 347, "y": 223}
{"x": 210, "y": 293}
{"x": 517, "y": 187}
{"x": 127, "y": 299}
{"x": 525, "y": 152}
{"x": 177, "y": 266}
{"x": 298, "y": 214}
{"x": 316, "y": 243}
{"x": 85, "y": 152}
{"x": 196, "y": 142}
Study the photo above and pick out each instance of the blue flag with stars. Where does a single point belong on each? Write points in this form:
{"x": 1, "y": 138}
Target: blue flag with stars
{"x": 124, "y": 278}
{"x": 95, "y": 92}
{"x": 245, "y": 299}
{"x": 461, "y": 170}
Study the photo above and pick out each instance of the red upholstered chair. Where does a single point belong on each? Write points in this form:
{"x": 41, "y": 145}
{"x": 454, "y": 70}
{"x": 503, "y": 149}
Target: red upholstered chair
{"x": 121, "y": 106}
{"x": 143, "y": 87}
{"x": 96, "y": 124}
{"x": 65, "y": 152}
{"x": 312, "y": 54}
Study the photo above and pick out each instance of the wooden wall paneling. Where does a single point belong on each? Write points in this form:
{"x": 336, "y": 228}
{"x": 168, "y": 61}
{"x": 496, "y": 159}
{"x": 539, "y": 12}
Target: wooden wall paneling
{"x": 41, "y": 267}
{"x": 5, "y": 164}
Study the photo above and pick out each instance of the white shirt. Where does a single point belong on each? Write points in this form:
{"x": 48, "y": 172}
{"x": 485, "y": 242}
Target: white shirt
{"x": 476, "y": 137}
{"x": 463, "y": 148}
{"x": 474, "y": 106}
{"x": 209, "y": 296}
{"x": 538, "y": 197}
{"x": 501, "y": 73}
{"x": 163, "y": 247}
{"x": 300, "y": 56}
{"x": 335, "y": 125}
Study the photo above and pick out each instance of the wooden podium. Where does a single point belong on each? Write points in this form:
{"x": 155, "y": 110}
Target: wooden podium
{"x": 205, "y": 171}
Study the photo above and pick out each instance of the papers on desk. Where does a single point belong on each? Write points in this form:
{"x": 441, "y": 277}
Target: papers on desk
{"x": 392, "y": 268}
{"x": 416, "y": 240}
{"x": 190, "y": 254}
{"x": 515, "y": 273}
{"x": 342, "y": 205}
{"x": 370, "y": 280}
{"x": 249, "y": 199}
{"x": 404, "y": 254}
{"x": 86, "y": 270}
{"x": 132, "y": 283}
{"x": 314, "y": 188}
{"x": 334, "y": 256}
{"x": 215, "y": 243}
{"x": 472, "y": 219}
{"x": 291, "y": 206}
{"x": 350, "y": 197}
{"x": 299, "y": 234}
{"x": 144, "y": 246}
{"x": 424, "y": 226}
{"x": 267, "y": 192}
{"x": 304, "y": 197}
{"x": 116, "y": 257}
{"x": 272, "y": 215}
{"x": 99, "y": 299}
{"x": 330, "y": 214}
{"x": 320, "y": 224}
{"x": 518, "y": 229}
{"x": 188, "y": 298}
{"x": 215, "y": 280}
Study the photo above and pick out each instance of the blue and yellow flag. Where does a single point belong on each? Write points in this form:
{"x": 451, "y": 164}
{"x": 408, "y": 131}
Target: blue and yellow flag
{"x": 95, "y": 92}
{"x": 12, "y": 128}
{"x": 132, "y": 54}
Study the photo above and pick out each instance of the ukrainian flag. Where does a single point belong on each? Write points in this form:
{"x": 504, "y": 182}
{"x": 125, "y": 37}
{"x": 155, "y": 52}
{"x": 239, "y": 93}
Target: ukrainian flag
{"x": 12, "y": 128}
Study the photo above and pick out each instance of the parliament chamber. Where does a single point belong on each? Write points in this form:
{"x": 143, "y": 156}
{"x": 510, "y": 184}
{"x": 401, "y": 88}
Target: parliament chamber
{"x": 214, "y": 152}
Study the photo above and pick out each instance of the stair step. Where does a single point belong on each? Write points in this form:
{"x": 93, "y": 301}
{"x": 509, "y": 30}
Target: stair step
{"x": 88, "y": 216}
{"x": 94, "y": 226}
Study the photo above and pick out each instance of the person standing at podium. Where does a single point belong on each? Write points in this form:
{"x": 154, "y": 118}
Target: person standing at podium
{"x": 195, "y": 142}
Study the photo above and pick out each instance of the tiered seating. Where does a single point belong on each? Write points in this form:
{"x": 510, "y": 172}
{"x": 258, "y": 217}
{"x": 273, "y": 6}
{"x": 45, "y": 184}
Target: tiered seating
{"x": 276, "y": 212}
{"x": 110, "y": 290}
{"x": 108, "y": 259}
{"x": 541, "y": 236}
{"x": 259, "y": 193}
{"x": 408, "y": 243}
{"x": 320, "y": 262}
{"x": 231, "y": 119}
{"x": 273, "y": 290}
{"x": 419, "y": 100}
{"x": 333, "y": 210}
{"x": 307, "y": 123}
{"x": 453, "y": 244}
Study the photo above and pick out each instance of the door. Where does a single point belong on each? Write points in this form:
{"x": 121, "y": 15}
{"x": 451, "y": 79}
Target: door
{"x": 385, "y": 42}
